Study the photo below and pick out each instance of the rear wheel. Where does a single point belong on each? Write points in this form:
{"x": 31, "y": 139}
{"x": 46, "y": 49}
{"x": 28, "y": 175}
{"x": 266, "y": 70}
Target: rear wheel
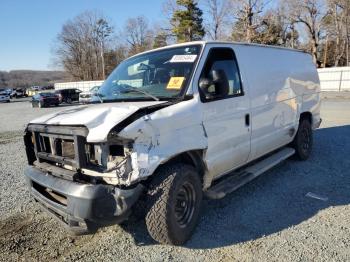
{"x": 174, "y": 200}
{"x": 303, "y": 140}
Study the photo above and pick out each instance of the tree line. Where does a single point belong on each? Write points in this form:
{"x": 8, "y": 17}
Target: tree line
{"x": 28, "y": 78}
{"x": 89, "y": 46}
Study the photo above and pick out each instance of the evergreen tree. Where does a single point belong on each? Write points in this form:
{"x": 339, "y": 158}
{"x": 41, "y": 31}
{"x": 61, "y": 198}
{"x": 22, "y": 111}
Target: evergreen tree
{"x": 187, "y": 21}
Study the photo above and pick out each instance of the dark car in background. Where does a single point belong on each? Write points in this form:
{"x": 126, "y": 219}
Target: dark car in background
{"x": 18, "y": 92}
{"x": 68, "y": 95}
{"x": 45, "y": 99}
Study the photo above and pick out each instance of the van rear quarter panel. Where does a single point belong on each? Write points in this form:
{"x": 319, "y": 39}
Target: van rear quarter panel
{"x": 282, "y": 84}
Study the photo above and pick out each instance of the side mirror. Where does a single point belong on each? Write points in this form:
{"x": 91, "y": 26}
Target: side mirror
{"x": 205, "y": 83}
{"x": 217, "y": 78}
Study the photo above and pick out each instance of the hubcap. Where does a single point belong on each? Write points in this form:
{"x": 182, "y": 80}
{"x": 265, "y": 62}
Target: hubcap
{"x": 185, "y": 204}
{"x": 305, "y": 140}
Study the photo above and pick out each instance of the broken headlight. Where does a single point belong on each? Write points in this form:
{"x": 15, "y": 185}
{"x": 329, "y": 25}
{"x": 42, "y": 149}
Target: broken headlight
{"x": 110, "y": 158}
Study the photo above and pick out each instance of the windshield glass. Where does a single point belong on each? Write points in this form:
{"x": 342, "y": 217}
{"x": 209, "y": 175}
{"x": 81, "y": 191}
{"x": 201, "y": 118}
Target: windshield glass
{"x": 158, "y": 75}
{"x": 94, "y": 89}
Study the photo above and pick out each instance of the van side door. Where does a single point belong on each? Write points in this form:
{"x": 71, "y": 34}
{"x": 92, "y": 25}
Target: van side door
{"x": 226, "y": 112}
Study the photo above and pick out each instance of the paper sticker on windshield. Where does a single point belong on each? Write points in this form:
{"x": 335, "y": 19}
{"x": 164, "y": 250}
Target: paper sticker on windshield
{"x": 175, "y": 83}
{"x": 183, "y": 58}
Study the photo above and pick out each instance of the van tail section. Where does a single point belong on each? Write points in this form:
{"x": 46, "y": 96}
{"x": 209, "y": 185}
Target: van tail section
{"x": 239, "y": 178}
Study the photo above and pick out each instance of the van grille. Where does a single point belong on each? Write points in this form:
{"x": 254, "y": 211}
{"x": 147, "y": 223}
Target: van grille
{"x": 64, "y": 149}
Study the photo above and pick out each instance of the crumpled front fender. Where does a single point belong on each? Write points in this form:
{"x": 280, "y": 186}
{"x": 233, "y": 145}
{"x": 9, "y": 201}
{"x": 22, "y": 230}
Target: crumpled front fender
{"x": 162, "y": 135}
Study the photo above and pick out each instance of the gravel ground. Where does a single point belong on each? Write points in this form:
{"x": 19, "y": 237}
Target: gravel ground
{"x": 268, "y": 219}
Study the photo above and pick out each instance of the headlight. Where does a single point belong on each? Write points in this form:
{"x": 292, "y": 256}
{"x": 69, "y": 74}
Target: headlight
{"x": 106, "y": 155}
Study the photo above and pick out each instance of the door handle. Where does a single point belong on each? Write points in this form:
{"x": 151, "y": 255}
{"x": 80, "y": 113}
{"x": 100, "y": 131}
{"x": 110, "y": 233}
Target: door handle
{"x": 247, "y": 119}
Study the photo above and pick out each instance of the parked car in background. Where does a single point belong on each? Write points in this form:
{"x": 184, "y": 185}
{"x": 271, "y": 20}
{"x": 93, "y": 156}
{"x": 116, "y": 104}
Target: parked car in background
{"x": 8, "y": 91}
{"x": 35, "y": 88}
{"x": 68, "y": 95}
{"x": 45, "y": 99}
{"x": 4, "y": 96}
{"x": 18, "y": 92}
{"x": 49, "y": 87}
{"x": 89, "y": 96}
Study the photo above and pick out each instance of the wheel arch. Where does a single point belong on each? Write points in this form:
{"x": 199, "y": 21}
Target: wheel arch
{"x": 306, "y": 115}
{"x": 193, "y": 158}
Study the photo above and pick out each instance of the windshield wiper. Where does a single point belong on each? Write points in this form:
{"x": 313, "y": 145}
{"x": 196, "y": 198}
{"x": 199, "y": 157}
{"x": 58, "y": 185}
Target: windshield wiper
{"x": 99, "y": 97}
{"x": 133, "y": 89}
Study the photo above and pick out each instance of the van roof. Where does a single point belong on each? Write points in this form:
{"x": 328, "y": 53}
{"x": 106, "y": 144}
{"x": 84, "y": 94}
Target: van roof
{"x": 221, "y": 42}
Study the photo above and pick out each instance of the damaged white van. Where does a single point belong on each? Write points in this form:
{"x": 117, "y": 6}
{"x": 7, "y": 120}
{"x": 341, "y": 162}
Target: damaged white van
{"x": 173, "y": 124}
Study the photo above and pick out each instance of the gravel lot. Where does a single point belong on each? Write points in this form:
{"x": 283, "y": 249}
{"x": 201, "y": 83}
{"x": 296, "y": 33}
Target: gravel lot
{"x": 268, "y": 219}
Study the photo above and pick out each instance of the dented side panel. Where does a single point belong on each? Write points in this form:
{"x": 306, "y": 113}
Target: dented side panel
{"x": 156, "y": 139}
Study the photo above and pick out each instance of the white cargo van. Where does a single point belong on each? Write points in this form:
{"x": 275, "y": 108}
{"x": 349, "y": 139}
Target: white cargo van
{"x": 170, "y": 123}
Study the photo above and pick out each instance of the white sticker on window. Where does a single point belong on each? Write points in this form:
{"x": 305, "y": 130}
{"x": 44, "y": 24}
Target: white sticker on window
{"x": 183, "y": 58}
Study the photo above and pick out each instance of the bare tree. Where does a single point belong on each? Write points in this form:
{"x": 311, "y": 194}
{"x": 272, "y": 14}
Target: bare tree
{"x": 311, "y": 14}
{"x": 290, "y": 36}
{"x": 138, "y": 34}
{"x": 168, "y": 9}
{"x": 248, "y": 16}
{"x": 337, "y": 28}
{"x": 81, "y": 44}
{"x": 114, "y": 57}
{"x": 218, "y": 21}
{"x": 102, "y": 31}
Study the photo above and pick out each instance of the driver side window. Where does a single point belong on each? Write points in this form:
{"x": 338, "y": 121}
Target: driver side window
{"x": 222, "y": 75}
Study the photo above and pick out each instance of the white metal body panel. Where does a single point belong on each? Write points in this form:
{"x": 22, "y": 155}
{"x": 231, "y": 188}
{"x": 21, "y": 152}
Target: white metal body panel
{"x": 282, "y": 84}
{"x": 279, "y": 84}
{"x": 98, "y": 118}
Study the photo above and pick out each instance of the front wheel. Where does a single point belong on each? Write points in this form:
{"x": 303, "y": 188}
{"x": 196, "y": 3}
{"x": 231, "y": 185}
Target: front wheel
{"x": 174, "y": 200}
{"x": 303, "y": 140}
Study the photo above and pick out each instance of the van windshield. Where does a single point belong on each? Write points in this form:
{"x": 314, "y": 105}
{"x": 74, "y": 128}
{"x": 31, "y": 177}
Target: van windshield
{"x": 158, "y": 75}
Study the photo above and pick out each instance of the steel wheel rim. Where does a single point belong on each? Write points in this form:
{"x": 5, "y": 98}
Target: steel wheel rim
{"x": 185, "y": 204}
{"x": 305, "y": 140}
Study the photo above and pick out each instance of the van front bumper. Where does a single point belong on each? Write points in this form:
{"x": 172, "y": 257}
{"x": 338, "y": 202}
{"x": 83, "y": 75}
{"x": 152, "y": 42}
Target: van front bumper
{"x": 81, "y": 207}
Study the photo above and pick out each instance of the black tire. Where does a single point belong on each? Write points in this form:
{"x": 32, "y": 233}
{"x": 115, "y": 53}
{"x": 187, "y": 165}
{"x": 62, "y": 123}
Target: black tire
{"x": 303, "y": 140}
{"x": 69, "y": 100}
{"x": 174, "y": 200}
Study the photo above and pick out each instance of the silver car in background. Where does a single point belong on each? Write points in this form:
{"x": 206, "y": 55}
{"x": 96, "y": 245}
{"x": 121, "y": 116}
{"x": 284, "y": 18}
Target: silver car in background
{"x": 4, "y": 96}
{"x": 89, "y": 96}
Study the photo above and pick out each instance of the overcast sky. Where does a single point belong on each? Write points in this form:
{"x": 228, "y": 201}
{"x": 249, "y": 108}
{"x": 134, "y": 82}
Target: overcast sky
{"x": 28, "y": 28}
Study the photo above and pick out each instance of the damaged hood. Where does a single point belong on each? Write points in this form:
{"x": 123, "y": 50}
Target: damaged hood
{"x": 98, "y": 118}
